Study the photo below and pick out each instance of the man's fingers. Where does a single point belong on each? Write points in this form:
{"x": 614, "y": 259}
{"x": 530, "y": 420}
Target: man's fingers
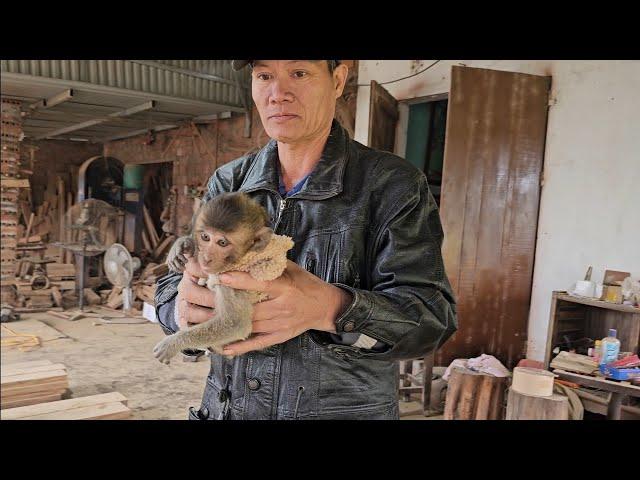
{"x": 244, "y": 281}
{"x": 190, "y": 313}
{"x": 258, "y": 342}
{"x": 194, "y": 293}
{"x": 266, "y": 326}
{"x": 266, "y": 310}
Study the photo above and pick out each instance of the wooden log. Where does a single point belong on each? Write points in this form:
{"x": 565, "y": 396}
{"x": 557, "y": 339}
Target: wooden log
{"x": 528, "y": 407}
{"x": 91, "y": 297}
{"x": 474, "y": 396}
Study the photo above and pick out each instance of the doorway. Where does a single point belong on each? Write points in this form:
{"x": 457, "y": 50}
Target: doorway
{"x": 426, "y": 127}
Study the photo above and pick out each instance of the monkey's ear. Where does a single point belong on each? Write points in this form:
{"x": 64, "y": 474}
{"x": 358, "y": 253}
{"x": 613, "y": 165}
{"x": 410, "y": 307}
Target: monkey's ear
{"x": 261, "y": 239}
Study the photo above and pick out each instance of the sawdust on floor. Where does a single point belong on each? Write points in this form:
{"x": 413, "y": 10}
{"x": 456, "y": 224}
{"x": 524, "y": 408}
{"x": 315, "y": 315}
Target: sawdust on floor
{"x": 108, "y": 358}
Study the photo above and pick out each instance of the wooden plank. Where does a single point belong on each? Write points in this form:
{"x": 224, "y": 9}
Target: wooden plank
{"x": 35, "y": 363}
{"x": 114, "y": 410}
{"x": 598, "y": 303}
{"x": 601, "y": 383}
{"x": 151, "y": 229}
{"x": 29, "y": 226}
{"x": 14, "y": 182}
{"x": 33, "y": 378}
{"x": 42, "y": 388}
{"x": 61, "y": 270}
{"x": 34, "y": 327}
{"x": 64, "y": 284}
{"x": 69, "y": 404}
{"x": 8, "y": 404}
{"x": 57, "y": 296}
{"x": 145, "y": 242}
{"x": 163, "y": 246}
{"x": 10, "y": 371}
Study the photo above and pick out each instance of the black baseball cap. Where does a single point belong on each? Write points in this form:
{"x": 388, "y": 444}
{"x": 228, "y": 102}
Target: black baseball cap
{"x": 240, "y": 64}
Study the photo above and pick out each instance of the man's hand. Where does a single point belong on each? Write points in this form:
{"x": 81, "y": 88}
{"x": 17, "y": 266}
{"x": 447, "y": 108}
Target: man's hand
{"x": 194, "y": 303}
{"x": 298, "y": 301}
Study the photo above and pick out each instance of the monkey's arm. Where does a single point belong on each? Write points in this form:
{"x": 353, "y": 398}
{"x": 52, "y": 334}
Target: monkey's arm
{"x": 176, "y": 259}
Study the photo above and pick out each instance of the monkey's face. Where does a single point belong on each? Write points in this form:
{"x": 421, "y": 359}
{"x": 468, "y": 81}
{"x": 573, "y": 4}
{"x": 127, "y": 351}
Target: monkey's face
{"x": 218, "y": 250}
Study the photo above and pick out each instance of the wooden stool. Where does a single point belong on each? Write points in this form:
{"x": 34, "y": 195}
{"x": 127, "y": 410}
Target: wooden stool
{"x": 410, "y": 384}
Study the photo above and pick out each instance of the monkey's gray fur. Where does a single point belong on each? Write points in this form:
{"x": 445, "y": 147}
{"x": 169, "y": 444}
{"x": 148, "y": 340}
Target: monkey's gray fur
{"x": 232, "y": 317}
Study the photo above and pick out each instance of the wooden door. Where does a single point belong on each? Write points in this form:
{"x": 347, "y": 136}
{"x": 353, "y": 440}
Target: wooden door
{"x": 494, "y": 148}
{"x": 383, "y": 118}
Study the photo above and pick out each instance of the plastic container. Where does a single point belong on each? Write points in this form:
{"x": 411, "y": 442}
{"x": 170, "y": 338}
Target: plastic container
{"x": 610, "y": 348}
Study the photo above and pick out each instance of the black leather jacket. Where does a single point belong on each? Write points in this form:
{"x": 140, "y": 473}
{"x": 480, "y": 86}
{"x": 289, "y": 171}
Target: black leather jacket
{"x": 366, "y": 222}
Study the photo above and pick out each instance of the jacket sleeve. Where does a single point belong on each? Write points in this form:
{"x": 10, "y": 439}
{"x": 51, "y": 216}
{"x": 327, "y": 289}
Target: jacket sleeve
{"x": 410, "y": 306}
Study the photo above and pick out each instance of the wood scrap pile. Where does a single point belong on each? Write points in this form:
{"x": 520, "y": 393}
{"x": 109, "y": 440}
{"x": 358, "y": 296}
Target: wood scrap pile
{"x": 29, "y": 383}
{"x": 11, "y": 184}
{"x": 156, "y": 246}
{"x": 106, "y": 406}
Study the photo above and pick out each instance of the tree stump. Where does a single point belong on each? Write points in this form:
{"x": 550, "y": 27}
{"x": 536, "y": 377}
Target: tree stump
{"x": 528, "y": 407}
{"x": 474, "y": 396}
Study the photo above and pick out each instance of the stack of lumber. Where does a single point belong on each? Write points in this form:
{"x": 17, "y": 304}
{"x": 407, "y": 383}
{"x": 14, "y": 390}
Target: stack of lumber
{"x": 10, "y": 184}
{"x": 32, "y": 382}
{"x": 106, "y": 406}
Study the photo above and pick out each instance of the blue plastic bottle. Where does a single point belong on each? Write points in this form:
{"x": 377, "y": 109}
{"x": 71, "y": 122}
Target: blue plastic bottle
{"x": 610, "y": 347}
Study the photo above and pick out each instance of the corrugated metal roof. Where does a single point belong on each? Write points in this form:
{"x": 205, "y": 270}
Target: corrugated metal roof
{"x": 181, "y": 90}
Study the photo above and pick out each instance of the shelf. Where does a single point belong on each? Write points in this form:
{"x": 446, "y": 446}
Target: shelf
{"x": 597, "y": 303}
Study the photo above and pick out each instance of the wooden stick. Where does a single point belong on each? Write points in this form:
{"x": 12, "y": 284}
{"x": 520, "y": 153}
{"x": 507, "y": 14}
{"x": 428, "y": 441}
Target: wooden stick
{"x": 61, "y": 209}
{"x": 29, "y": 225}
{"x": 151, "y": 229}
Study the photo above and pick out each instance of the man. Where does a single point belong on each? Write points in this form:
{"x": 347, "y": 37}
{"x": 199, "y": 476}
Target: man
{"x": 365, "y": 285}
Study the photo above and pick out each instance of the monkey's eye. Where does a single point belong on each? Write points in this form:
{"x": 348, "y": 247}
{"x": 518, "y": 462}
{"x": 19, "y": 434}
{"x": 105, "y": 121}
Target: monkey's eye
{"x": 204, "y": 236}
{"x": 223, "y": 242}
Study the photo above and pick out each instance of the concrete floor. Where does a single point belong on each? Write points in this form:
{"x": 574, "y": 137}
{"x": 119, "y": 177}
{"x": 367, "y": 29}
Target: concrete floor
{"x": 107, "y": 358}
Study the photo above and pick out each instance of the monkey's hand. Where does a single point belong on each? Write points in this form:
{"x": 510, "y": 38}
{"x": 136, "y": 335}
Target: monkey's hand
{"x": 166, "y": 349}
{"x": 176, "y": 259}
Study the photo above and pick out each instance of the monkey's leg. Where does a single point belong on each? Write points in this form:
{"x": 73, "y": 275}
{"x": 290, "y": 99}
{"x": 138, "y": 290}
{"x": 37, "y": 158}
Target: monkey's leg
{"x": 232, "y": 321}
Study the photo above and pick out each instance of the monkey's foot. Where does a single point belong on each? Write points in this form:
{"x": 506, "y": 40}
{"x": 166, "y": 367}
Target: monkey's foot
{"x": 165, "y": 350}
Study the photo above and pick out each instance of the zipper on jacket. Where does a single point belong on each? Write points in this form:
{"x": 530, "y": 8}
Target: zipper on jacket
{"x": 283, "y": 204}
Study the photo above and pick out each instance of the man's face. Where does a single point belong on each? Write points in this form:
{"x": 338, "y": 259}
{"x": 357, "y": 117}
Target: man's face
{"x": 296, "y": 99}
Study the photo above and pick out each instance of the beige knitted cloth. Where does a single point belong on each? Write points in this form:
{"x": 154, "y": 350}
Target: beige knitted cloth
{"x": 265, "y": 265}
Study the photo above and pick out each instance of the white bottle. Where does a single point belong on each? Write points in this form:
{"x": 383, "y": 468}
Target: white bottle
{"x": 610, "y": 347}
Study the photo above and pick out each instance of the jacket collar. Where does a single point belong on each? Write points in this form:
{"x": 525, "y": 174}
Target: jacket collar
{"x": 324, "y": 181}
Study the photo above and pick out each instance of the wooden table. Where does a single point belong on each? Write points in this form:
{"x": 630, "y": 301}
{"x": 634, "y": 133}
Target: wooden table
{"x": 619, "y": 390}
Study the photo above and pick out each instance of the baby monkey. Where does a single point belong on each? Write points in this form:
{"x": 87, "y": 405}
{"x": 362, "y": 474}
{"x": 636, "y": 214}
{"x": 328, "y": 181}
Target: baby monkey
{"x": 229, "y": 232}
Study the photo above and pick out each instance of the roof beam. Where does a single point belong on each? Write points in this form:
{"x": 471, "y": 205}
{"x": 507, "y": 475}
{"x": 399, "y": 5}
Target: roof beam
{"x": 191, "y": 73}
{"x": 89, "y": 123}
{"x": 53, "y": 101}
{"x": 123, "y": 135}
